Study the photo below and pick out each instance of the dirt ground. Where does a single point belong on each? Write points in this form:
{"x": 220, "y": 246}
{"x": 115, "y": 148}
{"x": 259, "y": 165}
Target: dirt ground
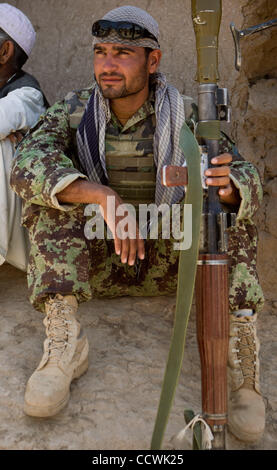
{"x": 113, "y": 406}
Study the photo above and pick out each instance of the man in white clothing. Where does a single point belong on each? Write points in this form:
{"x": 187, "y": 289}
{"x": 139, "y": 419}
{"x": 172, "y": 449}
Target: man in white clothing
{"x": 21, "y": 104}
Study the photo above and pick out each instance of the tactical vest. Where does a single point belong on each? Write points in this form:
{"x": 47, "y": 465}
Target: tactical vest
{"x": 129, "y": 154}
{"x": 130, "y": 162}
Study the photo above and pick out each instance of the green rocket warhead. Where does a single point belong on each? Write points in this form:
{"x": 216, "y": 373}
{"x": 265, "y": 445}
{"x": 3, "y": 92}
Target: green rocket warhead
{"x": 206, "y": 16}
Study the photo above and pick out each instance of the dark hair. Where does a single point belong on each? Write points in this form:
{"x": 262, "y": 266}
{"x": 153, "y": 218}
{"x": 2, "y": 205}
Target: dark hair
{"x": 147, "y": 51}
{"x": 20, "y": 57}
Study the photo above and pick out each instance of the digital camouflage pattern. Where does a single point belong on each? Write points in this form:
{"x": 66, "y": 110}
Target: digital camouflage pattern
{"x": 130, "y": 155}
{"x": 63, "y": 261}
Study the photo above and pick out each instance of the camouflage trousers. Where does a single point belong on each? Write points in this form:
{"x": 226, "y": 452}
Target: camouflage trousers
{"x": 62, "y": 260}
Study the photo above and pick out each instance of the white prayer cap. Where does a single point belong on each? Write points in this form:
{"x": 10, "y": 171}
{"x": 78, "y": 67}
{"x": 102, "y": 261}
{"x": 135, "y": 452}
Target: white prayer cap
{"x": 17, "y": 26}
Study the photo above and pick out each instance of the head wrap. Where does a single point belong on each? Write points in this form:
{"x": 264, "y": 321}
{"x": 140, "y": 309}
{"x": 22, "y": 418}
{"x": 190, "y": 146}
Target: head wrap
{"x": 132, "y": 15}
{"x": 17, "y": 26}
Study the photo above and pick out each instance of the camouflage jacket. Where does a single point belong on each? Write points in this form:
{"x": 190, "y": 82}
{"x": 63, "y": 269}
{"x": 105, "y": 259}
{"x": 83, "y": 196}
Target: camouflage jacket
{"x": 47, "y": 160}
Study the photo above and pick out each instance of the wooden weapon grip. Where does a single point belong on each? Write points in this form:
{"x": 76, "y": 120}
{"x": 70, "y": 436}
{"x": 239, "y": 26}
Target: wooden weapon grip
{"x": 212, "y": 320}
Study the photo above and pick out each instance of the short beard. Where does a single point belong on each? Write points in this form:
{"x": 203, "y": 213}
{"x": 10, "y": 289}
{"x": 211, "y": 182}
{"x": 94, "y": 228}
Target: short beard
{"x": 110, "y": 93}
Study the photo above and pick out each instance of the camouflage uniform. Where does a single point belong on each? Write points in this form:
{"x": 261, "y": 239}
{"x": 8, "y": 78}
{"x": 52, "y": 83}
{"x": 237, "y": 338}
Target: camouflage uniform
{"x": 63, "y": 261}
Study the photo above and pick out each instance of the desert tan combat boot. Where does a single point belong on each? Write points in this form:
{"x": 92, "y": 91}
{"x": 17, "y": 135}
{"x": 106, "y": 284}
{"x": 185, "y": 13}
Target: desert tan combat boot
{"x": 65, "y": 358}
{"x": 246, "y": 409}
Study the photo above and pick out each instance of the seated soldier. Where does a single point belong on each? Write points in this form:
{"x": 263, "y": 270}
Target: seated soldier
{"x": 21, "y": 103}
{"x": 101, "y": 142}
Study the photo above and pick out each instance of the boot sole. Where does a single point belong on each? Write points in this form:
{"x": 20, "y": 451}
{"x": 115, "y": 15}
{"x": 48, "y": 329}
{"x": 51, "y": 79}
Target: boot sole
{"x": 48, "y": 412}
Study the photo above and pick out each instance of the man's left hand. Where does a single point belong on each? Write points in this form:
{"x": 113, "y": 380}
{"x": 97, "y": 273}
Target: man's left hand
{"x": 220, "y": 176}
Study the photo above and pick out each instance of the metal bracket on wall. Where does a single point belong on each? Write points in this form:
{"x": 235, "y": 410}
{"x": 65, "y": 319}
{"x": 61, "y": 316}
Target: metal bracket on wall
{"x": 237, "y": 35}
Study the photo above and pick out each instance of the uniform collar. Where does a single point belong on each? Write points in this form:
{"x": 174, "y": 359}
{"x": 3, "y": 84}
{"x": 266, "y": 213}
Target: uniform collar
{"x": 147, "y": 109}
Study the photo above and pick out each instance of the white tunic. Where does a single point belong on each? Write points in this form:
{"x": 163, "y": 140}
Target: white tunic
{"x": 19, "y": 111}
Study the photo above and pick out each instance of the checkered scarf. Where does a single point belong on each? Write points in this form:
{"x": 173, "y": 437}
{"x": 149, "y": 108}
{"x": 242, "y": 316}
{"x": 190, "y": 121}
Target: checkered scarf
{"x": 170, "y": 116}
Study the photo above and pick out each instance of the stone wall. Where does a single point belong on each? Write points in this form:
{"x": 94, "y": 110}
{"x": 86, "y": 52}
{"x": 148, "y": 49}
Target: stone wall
{"x": 62, "y": 60}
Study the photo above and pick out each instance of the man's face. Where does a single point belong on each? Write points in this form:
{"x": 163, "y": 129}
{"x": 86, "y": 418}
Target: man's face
{"x": 120, "y": 70}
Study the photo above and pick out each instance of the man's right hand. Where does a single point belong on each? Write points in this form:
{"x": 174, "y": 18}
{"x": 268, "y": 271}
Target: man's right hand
{"x": 128, "y": 247}
{"x": 85, "y": 192}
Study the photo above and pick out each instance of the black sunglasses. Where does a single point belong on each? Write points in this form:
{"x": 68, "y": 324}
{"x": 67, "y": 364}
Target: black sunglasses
{"x": 124, "y": 29}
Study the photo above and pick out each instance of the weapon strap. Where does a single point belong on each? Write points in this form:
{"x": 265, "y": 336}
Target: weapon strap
{"x": 185, "y": 287}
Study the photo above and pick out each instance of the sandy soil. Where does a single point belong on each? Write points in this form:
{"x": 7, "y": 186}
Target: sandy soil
{"x": 113, "y": 406}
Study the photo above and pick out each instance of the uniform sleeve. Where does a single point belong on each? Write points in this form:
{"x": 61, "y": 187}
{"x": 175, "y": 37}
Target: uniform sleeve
{"x": 20, "y": 110}
{"x": 246, "y": 179}
{"x": 42, "y": 168}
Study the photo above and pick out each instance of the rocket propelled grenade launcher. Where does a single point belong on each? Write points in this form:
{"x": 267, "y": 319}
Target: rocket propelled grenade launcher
{"x": 205, "y": 265}
{"x": 212, "y": 299}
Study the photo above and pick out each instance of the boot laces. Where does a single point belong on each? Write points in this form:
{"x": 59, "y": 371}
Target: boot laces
{"x": 246, "y": 352}
{"x": 57, "y": 329}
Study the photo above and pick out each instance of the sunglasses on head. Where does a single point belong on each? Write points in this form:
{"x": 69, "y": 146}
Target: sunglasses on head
{"x": 124, "y": 29}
